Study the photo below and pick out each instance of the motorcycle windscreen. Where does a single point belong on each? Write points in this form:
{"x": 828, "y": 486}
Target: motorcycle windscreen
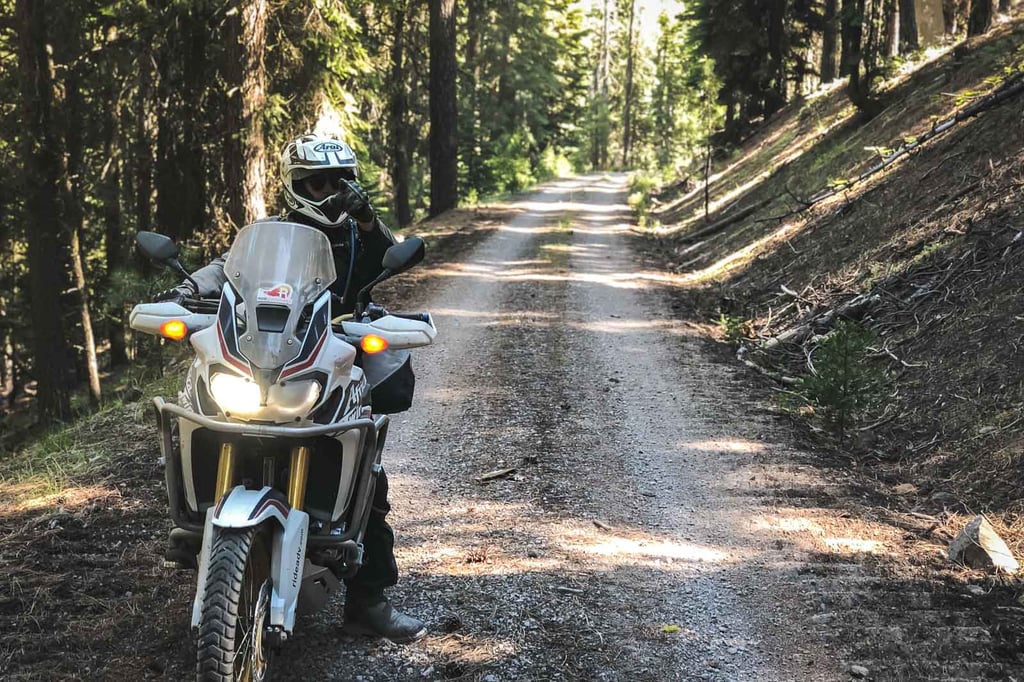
{"x": 278, "y": 269}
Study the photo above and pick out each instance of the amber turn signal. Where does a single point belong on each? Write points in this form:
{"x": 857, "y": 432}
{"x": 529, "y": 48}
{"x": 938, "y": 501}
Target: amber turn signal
{"x": 175, "y": 330}
{"x": 373, "y": 344}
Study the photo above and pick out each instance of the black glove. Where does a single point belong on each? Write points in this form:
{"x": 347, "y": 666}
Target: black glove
{"x": 176, "y": 295}
{"x": 354, "y": 200}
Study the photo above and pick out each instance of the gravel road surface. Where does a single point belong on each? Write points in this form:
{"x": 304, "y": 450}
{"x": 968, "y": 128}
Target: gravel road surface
{"x": 579, "y": 492}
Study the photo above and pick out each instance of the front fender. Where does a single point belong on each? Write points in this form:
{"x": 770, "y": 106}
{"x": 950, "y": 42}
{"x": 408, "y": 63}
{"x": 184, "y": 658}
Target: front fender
{"x": 241, "y": 508}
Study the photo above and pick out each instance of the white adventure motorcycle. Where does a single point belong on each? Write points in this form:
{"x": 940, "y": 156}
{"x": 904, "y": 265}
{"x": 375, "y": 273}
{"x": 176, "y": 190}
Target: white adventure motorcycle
{"x": 271, "y": 457}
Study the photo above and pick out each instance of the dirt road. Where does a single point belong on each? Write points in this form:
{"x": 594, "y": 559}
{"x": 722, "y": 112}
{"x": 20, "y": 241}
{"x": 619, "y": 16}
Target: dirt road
{"x": 585, "y": 489}
{"x": 629, "y": 541}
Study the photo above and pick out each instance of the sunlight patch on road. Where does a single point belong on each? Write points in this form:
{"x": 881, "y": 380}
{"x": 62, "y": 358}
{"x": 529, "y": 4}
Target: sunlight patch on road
{"x": 508, "y": 315}
{"x": 617, "y": 280}
{"x": 577, "y": 228}
{"x": 799, "y": 524}
{"x": 737, "y": 446}
{"x": 637, "y": 548}
{"x": 633, "y": 326}
{"x": 564, "y": 206}
{"x": 509, "y": 263}
{"x": 626, "y": 548}
{"x": 854, "y": 545}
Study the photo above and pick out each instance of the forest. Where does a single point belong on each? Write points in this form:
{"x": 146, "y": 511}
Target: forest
{"x": 167, "y": 115}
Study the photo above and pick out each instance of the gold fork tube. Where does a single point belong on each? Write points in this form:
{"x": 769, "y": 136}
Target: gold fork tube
{"x": 297, "y": 476}
{"x": 225, "y": 470}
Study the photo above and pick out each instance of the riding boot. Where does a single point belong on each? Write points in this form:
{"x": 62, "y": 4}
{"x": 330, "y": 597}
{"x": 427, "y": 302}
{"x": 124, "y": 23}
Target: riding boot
{"x": 376, "y": 617}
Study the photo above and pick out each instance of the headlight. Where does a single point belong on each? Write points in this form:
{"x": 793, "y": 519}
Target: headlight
{"x": 235, "y": 394}
{"x": 240, "y": 397}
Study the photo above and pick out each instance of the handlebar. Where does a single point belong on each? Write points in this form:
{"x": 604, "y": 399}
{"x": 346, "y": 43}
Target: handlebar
{"x": 419, "y": 317}
{"x": 202, "y": 306}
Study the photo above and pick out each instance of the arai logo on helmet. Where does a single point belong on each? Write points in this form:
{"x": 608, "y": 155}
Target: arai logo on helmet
{"x": 329, "y": 147}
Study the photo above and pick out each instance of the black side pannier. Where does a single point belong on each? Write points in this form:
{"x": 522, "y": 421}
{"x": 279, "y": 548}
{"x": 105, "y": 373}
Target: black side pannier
{"x": 392, "y": 382}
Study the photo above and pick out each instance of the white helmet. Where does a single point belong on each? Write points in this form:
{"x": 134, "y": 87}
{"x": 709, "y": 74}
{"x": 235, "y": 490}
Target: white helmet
{"x": 314, "y": 155}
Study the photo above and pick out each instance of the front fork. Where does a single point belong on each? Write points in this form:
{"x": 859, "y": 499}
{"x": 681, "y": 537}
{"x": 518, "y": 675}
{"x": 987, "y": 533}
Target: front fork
{"x": 298, "y": 474}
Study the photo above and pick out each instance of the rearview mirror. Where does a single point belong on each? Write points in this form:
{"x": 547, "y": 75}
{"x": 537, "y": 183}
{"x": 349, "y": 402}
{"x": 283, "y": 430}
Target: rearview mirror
{"x": 157, "y": 246}
{"x": 401, "y": 257}
{"x": 163, "y": 250}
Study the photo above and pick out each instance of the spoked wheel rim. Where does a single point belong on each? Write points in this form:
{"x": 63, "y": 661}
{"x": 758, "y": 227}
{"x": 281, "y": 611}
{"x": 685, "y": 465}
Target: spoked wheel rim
{"x": 253, "y": 609}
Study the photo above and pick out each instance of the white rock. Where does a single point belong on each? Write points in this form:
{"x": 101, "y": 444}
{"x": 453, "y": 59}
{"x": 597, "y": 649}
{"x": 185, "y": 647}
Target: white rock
{"x": 859, "y": 671}
{"x": 979, "y": 546}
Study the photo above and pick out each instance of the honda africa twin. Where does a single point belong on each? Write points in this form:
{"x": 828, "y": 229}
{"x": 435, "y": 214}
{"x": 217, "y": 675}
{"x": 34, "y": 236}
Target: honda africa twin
{"x": 272, "y": 454}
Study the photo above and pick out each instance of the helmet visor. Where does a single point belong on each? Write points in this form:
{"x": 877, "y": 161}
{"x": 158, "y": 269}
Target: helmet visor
{"x": 316, "y": 185}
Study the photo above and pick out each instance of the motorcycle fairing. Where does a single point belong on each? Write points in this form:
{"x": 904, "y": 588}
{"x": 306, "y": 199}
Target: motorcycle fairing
{"x": 316, "y": 333}
{"x": 227, "y": 332}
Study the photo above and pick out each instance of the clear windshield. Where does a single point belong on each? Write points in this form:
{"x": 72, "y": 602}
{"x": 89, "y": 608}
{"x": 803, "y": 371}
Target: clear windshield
{"x": 278, "y": 268}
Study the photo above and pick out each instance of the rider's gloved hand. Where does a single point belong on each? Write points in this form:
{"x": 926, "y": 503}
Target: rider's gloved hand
{"x": 354, "y": 200}
{"x": 176, "y": 295}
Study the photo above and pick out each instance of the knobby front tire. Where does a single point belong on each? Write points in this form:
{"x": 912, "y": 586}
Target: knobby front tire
{"x": 231, "y": 645}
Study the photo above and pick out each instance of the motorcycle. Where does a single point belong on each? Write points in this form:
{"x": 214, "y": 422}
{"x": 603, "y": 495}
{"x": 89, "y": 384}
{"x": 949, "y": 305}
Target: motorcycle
{"x": 271, "y": 457}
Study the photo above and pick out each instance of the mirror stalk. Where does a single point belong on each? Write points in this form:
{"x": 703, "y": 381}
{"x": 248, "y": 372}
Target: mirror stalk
{"x": 176, "y": 265}
{"x": 363, "y": 297}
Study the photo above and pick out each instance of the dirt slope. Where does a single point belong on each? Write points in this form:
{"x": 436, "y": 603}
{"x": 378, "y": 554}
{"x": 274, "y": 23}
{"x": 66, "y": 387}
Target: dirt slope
{"x": 935, "y": 240}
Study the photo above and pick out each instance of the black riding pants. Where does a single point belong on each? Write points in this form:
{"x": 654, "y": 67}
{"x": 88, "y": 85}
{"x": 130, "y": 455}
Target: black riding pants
{"x": 379, "y": 569}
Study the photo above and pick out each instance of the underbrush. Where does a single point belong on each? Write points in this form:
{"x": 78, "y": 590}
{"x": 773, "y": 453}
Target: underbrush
{"x": 81, "y": 453}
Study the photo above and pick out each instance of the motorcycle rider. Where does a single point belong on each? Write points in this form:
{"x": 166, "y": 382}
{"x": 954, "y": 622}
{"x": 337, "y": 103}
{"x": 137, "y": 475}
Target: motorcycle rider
{"x": 321, "y": 189}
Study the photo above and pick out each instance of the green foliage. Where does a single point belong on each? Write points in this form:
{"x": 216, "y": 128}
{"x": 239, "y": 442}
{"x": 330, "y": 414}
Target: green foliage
{"x": 734, "y": 328}
{"x": 509, "y": 169}
{"x": 554, "y": 164}
{"x": 845, "y": 383}
{"x": 641, "y": 186}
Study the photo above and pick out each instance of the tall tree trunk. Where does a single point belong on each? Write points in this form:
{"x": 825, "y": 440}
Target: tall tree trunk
{"x": 42, "y": 184}
{"x": 7, "y": 374}
{"x": 951, "y": 16}
{"x": 83, "y": 308}
{"x": 908, "y": 27}
{"x": 113, "y": 233}
{"x": 775, "y": 93}
{"x": 829, "y": 40}
{"x": 471, "y": 131}
{"x": 893, "y": 18}
{"x": 859, "y": 87}
{"x": 75, "y": 221}
{"x": 245, "y": 164}
{"x": 400, "y": 167}
{"x": 142, "y": 154}
{"x": 980, "y": 20}
{"x": 443, "y": 124}
{"x": 183, "y": 74}
{"x": 627, "y": 107}
{"x": 507, "y": 114}
{"x": 849, "y": 54}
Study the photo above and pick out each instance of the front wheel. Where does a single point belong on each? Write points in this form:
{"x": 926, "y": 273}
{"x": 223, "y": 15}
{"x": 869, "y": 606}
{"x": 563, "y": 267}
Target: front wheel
{"x": 236, "y": 603}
